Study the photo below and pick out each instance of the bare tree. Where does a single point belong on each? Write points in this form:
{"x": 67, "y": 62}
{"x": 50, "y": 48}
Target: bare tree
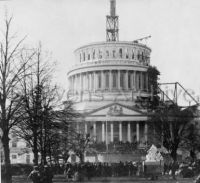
{"x": 11, "y": 73}
{"x": 39, "y": 99}
{"x": 170, "y": 126}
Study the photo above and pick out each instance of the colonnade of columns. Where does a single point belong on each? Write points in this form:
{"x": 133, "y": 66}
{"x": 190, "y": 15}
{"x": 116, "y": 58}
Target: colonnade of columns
{"x": 109, "y": 80}
{"x": 108, "y": 135}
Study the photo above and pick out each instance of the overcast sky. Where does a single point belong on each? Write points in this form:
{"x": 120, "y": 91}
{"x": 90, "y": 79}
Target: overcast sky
{"x": 64, "y": 25}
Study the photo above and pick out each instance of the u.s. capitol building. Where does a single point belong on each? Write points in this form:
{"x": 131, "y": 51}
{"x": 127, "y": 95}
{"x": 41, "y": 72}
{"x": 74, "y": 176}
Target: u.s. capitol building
{"x": 105, "y": 84}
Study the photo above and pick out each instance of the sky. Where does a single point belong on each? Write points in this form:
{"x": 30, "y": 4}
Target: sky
{"x": 64, "y": 25}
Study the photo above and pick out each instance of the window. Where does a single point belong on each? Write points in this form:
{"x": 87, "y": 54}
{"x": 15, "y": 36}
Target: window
{"x": 28, "y": 159}
{"x": 93, "y": 54}
{"x": 138, "y": 56}
{"x": 100, "y": 54}
{"x": 99, "y": 80}
{"x": 127, "y": 56}
{"x": 80, "y": 57}
{"x": 132, "y": 54}
{"x": 120, "y": 52}
{"x": 114, "y": 80}
{"x": 114, "y": 53}
{"x": 83, "y": 56}
{"x": 142, "y": 56}
{"x": 107, "y": 80}
{"x": 14, "y": 156}
{"x": 14, "y": 144}
{"x": 88, "y": 56}
{"x": 107, "y": 54}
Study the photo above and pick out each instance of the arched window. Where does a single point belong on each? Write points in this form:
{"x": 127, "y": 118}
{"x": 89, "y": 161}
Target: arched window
{"x": 107, "y": 80}
{"x": 114, "y": 53}
{"x": 126, "y": 53}
{"x": 138, "y": 55}
{"x": 107, "y": 54}
{"x": 93, "y": 54}
{"x": 84, "y": 56}
{"x": 132, "y": 54}
{"x": 120, "y": 53}
{"x": 100, "y": 54}
{"x": 114, "y": 80}
{"x": 142, "y": 56}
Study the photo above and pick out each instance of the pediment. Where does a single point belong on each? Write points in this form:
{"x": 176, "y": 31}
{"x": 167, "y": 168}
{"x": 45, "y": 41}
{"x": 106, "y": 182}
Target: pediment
{"x": 115, "y": 110}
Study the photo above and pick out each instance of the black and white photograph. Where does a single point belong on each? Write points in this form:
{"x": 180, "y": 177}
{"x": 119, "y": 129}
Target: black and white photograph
{"x": 99, "y": 91}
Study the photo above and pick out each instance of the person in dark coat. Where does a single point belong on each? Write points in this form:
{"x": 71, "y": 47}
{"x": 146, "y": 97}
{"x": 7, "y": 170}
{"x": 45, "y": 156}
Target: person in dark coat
{"x": 35, "y": 175}
{"x": 47, "y": 175}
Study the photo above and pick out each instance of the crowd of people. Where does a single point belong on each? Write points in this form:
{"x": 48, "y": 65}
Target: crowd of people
{"x": 118, "y": 146}
{"x": 42, "y": 174}
{"x": 78, "y": 171}
{"x": 82, "y": 171}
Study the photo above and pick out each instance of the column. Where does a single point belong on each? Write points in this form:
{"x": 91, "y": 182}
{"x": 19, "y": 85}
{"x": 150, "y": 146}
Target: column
{"x": 131, "y": 81}
{"x": 81, "y": 77}
{"x": 91, "y": 82}
{"x": 77, "y": 84}
{"x": 88, "y": 82}
{"x": 138, "y": 132}
{"x": 120, "y": 131}
{"x": 141, "y": 81}
{"x": 147, "y": 82}
{"x": 84, "y": 81}
{"x": 129, "y": 132}
{"x": 145, "y": 132}
{"x": 110, "y": 80}
{"x": 102, "y": 80}
{"x": 137, "y": 80}
{"x": 111, "y": 132}
{"x": 86, "y": 130}
{"x": 95, "y": 131}
{"x": 126, "y": 80}
{"x": 72, "y": 83}
{"x": 103, "y": 132}
{"x": 95, "y": 81}
{"x": 134, "y": 80}
{"x": 118, "y": 80}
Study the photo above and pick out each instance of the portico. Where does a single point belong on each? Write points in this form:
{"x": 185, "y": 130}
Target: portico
{"x": 116, "y": 123}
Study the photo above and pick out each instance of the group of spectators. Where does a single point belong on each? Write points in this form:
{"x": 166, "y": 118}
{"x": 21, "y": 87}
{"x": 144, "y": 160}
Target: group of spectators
{"x": 42, "y": 174}
{"x": 78, "y": 171}
{"x": 117, "y": 146}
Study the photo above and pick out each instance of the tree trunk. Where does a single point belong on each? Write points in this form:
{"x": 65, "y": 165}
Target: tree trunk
{"x": 81, "y": 156}
{"x": 6, "y": 175}
{"x": 35, "y": 149}
{"x": 174, "y": 164}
